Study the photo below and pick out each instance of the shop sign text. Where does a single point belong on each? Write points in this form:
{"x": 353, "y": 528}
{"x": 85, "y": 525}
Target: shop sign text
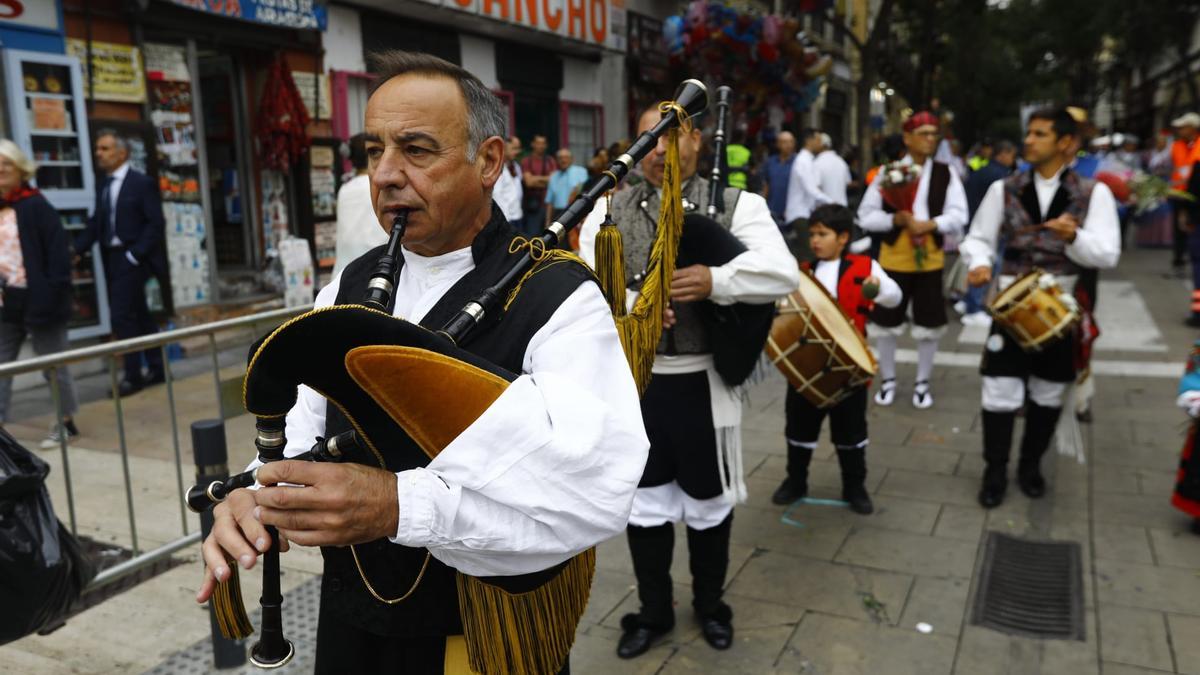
{"x": 591, "y": 21}
{"x": 304, "y": 14}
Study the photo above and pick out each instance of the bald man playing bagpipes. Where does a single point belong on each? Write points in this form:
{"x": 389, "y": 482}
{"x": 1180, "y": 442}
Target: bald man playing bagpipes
{"x": 458, "y": 533}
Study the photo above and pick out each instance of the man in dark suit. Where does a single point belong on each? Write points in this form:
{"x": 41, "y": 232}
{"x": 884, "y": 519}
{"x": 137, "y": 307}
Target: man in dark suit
{"x": 128, "y": 223}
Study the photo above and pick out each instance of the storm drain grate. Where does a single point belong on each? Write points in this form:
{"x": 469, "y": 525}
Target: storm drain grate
{"x": 1031, "y": 588}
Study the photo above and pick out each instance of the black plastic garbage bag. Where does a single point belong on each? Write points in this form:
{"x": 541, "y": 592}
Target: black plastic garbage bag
{"x": 42, "y": 567}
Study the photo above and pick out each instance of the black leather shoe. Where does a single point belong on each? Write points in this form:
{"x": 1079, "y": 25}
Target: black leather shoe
{"x": 155, "y": 377}
{"x": 638, "y": 638}
{"x": 859, "y": 501}
{"x": 718, "y": 634}
{"x": 1032, "y": 484}
{"x": 126, "y": 388}
{"x": 789, "y": 492}
{"x": 991, "y": 496}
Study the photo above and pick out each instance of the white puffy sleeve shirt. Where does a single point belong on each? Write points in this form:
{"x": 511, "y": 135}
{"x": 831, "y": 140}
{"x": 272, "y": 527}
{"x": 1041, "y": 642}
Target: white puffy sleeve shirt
{"x": 1097, "y": 242}
{"x": 873, "y": 218}
{"x": 548, "y": 471}
{"x": 765, "y": 272}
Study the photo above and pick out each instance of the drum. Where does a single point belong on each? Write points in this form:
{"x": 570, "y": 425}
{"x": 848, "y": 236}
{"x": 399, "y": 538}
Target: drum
{"x": 816, "y": 346}
{"x": 1035, "y": 310}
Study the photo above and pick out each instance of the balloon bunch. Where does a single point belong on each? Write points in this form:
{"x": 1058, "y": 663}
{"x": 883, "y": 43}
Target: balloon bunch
{"x": 769, "y": 57}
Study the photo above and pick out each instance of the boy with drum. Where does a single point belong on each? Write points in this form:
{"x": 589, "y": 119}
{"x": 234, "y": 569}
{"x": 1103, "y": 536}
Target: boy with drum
{"x": 1055, "y": 221}
{"x": 857, "y": 283}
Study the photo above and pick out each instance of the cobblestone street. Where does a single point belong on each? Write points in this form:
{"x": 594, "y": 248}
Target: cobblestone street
{"x": 814, "y": 588}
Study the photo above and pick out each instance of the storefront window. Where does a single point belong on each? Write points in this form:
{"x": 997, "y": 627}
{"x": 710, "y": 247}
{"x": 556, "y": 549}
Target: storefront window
{"x": 582, "y": 125}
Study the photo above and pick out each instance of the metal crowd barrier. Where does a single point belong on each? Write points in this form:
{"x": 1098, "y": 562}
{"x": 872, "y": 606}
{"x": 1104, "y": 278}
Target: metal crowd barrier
{"x": 112, "y": 351}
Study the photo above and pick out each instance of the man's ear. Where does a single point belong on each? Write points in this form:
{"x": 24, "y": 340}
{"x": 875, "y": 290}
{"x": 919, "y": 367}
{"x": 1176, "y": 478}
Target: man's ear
{"x": 843, "y": 238}
{"x": 490, "y": 160}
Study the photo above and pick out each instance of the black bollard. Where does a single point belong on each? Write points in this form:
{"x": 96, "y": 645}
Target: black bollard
{"x": 212, "y": 463}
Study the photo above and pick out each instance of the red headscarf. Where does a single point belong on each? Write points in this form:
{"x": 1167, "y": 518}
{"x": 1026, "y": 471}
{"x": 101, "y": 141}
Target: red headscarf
{"x": 921, "y": 119}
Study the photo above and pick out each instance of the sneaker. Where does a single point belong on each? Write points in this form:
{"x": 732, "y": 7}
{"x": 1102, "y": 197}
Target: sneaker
{"x": 977, "y": 319}
{"x": 887, "y": 392}
{"x": 960, "y": 307}
{"x": 922, "y": 397}
{"x": 57, "y": 433}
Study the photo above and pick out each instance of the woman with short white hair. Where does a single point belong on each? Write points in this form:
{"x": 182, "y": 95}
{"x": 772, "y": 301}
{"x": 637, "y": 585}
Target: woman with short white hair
{"x": 35, "y": 283}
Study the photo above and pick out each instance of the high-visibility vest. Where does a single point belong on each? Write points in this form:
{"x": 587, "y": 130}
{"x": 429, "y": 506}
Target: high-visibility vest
{"x": 1183, "y": 156}
{"x": 737, "y": 157}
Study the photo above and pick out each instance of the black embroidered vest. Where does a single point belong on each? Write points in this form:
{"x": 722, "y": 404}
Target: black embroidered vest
{"x": 432, "y": 609}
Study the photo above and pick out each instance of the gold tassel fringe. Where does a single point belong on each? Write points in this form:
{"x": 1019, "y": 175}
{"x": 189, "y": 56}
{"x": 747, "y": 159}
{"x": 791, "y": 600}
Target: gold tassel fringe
{"x": 526, "y": 633}
{"x": 544, "y": 259}
{"x": 230, "y": 609}
{"x": 610, "y": 266}
{"x": 641, "y": 328}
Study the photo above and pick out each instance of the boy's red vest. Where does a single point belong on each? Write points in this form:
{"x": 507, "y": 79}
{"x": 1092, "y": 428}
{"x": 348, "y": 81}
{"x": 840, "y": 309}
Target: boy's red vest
{"x": 853, "y": 271}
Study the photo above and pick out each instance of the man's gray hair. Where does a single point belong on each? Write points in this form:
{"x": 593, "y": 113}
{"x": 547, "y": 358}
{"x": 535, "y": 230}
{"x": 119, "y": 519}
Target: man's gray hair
{"x": 1002, "y": 146}
{"x": 486, "y": 115}
{"x": 118, "y": 139}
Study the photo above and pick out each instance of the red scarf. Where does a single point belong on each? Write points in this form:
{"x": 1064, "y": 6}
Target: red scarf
{"x": 17, "y": 194}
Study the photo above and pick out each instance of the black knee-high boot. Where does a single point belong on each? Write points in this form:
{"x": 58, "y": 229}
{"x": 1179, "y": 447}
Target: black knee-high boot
{"x": 997, "y": 443}
{"x": 798, "y": 459}
{"x": 651, "y": 549}
{"x": 853, "y": 461}
{"x": 795, "y": 484}
{"x": 708, "y": 557}
{"x": 1040, "y": 423}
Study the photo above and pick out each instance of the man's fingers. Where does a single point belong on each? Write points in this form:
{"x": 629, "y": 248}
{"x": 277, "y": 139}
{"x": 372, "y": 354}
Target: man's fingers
{"x": 232, "y": 541}
{"x": 291, "y": 471}
{"x": 290, "y": 520}
{"x": 288, "y": 497}
{"x": 206, "y": 587}
{"x": 309, "y": 537}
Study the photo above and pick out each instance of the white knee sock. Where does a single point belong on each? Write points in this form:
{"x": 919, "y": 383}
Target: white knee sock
{"x": 925, "y": 351}
{"x": 886, "y": 345}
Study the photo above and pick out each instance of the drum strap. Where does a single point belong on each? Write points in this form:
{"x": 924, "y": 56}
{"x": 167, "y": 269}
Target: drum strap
{"x": 853, "y": 270}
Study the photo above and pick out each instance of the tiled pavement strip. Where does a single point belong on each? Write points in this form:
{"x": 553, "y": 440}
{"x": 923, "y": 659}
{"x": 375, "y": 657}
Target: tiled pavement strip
{"x": 833, "y": 593}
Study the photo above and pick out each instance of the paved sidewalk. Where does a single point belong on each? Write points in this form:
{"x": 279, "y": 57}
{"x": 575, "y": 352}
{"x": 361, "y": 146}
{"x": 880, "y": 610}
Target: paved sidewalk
{"x": 825, "y": 591}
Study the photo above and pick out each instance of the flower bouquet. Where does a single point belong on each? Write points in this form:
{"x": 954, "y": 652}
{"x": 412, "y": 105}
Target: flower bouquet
{"x": 1150, "y": 192}
{"x": 898, "y": 186}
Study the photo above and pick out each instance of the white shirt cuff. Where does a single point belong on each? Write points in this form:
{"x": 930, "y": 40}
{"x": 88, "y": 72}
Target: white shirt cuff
{"x": 720, "y": 293}
{"x": 424, "y": 500}
{"x": 130, "y": 258}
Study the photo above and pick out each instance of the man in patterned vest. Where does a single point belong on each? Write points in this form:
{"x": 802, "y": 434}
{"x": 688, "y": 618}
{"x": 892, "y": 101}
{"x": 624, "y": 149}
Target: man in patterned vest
{"x": 911, "y": 254}
{"x": 692, "y": 417}
{"x": 1054, "y": 220}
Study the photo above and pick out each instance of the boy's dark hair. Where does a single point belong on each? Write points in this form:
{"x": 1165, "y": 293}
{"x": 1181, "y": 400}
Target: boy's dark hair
{"x": 1060, "y": 120}
{"x": 834, "y": 216}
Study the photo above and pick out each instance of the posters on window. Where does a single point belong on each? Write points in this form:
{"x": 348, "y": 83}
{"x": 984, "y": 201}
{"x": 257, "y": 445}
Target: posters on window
{"x": 117, "y": 70}
{"x": 170, "y": 97}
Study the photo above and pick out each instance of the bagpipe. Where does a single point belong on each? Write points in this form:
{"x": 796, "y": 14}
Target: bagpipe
{"x": 737, "y": 332}
{"x": 408, "y": 391}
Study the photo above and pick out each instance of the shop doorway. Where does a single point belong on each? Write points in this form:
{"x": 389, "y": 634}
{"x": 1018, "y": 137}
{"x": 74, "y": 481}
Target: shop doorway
{"x": 229, "y": 166}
